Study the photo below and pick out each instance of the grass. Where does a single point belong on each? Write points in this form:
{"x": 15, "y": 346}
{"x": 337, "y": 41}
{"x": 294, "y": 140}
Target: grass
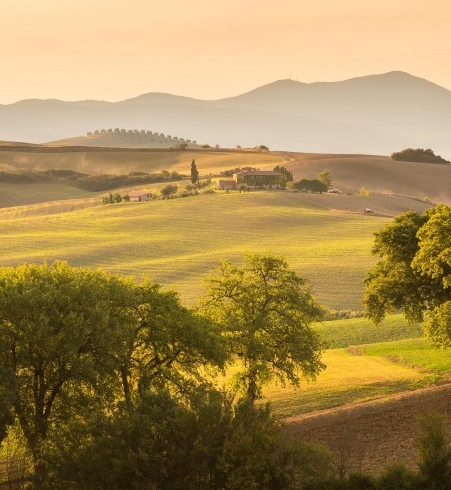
{"x": 177, "y": 242}
{"x": 13, "y": 195}
{"x": 419, "y": 353}
{"x": 347, "y": 379}
{"x": 365, "y": 372}
{"x": 356, "y": 331}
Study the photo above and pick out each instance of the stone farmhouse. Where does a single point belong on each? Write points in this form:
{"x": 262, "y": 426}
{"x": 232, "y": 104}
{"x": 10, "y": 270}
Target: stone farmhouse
{"x": 259, "y": 178}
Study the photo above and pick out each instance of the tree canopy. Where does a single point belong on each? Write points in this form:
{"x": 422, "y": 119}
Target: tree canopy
{"x": 414, "y": 273}
{"x": 417, "y": 155}
{"x": 75, "y": 341}
{"x": 310, "y": 185}
{"x": 265, "y": 311}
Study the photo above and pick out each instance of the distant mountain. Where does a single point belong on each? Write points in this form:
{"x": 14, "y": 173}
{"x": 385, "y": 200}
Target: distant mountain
{"x": 376, "y": 114}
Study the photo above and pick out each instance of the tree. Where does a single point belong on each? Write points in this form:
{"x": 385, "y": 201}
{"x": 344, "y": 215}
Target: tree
{"x": 169, "y": 189}
{"x": 265, "y": 311}
{"x": 325, "y": 176}
{"x": 78, "y": 345}
{"x": 307, "y": 185}
{"x": 194, "y": 172}
{"x": 434, "y": 452}
{"x": 414, "y": 273}
{"x": 283, "y": 170}
{"x": 57, "y": 328}
{"x": 417, "y": 155}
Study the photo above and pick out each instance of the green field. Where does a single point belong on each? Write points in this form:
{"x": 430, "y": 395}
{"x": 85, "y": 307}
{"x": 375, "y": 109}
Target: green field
{"x": 367, "y": 369}
{"x": 176, "y": 242}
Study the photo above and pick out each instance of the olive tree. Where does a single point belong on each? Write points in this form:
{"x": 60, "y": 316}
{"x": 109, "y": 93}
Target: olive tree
{"x": 265, "y": 311}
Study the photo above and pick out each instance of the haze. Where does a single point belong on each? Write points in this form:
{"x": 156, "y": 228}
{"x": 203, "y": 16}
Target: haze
{"x": 117, "y": 49}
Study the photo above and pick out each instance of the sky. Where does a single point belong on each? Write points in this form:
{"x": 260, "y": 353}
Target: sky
{"x": 210, "y": 49}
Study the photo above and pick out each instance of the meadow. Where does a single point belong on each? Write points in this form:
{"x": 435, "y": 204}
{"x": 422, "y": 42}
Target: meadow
{"x": 177, "y": 242}
{"x": 365, "y": 362}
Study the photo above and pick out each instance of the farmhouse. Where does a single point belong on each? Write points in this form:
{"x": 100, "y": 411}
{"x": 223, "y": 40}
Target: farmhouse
{"x": 259, "y": 177}
{"x": 140, "y": 196}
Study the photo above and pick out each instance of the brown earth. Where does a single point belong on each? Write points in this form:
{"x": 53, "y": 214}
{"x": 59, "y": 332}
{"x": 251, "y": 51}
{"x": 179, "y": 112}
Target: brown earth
{"x": 379, "y": 174}
{"x": 372, "y": 435}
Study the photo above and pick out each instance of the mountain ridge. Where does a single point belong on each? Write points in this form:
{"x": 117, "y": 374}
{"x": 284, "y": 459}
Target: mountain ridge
{"x": 375, "y": 114}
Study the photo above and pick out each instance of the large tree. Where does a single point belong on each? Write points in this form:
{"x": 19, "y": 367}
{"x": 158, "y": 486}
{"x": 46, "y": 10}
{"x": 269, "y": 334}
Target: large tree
{"x": 414, "y": 271}
{"x": 76, "y": 342}
{"x": 265, "y": 310}
{"x": 58, "y": 326}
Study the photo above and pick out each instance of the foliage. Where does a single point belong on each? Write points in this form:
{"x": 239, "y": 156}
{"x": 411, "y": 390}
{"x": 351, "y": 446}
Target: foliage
{"x": 325, "y": 176}
{"x": 307, "y": 185}
{"x": 417, "y": 155}
{"x": 77, "y": 341}
{"x": 194, "y": 172}
{"x": 53, "y": 341}
{"x": 168, "y": 189}
{"x": 435, "y": 453}
{"x": 97, "y": 182}
{"x": 283, "y": 170}
{"x": 265, "y": 311}
{"x": 230, "y": 172}
{"x": 364, "y": 192}
{"x": 414, "y": 272}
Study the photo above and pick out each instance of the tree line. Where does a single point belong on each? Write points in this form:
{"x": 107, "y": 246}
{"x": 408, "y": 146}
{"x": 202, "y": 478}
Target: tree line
{"x": 88, "y": 182}
{"x": 417, "y": 155}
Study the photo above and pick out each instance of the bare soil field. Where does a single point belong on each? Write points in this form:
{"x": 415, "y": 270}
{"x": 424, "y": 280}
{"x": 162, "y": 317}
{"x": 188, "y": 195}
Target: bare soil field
{"x": 378, "y": 174}
{"x": 372, "y": 435}
{"x": 376, "y": 204}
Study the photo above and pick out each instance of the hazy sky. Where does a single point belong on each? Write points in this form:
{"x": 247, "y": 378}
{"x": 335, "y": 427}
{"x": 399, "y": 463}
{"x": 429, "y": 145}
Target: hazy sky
{"x": 209, "y": 49}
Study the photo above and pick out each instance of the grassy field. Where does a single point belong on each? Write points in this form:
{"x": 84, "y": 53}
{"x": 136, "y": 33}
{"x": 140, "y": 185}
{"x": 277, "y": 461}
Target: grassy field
{"x": 367, "y": 369}
{"x": 176, "y": 242}
{"x": 347, "y": 379}
{"x": 357, "y": 331}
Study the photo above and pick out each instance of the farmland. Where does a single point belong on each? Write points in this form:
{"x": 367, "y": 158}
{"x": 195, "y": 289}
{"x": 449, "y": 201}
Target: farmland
{"x": 327, "y": 239}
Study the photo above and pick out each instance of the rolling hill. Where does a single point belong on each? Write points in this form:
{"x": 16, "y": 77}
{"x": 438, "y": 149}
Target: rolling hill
{"x": 377, "y": 114}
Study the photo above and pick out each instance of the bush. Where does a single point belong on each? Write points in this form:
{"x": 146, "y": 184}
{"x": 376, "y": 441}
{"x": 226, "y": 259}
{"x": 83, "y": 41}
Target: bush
{"x": 435, "y": 452}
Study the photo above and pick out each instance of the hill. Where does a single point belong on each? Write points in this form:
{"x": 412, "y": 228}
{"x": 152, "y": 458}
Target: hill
{"x": 131, "y": 138}
{"x": 384, "y": 431}
{"x": 374, "y": 114}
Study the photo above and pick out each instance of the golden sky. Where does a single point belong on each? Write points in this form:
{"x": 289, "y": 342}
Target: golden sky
{"x": 209, "y": 49}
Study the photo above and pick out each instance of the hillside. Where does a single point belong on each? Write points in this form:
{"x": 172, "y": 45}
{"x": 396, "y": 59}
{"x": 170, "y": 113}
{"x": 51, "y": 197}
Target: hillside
{"x": 326, "y": 238}
{"x": 375, "y": 114}
{"x": 127, "y": 138}
{"x": 373, "y": 435}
